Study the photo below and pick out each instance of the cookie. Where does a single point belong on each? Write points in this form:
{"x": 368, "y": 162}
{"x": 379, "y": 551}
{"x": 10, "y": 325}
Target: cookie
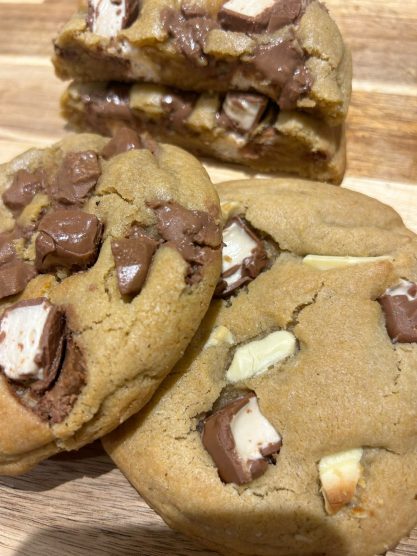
{"x": 289, "y": 427}
{"x": 245, "y": 128}
{"x": 288, "y": 50}
{"x": 109, "y": 255}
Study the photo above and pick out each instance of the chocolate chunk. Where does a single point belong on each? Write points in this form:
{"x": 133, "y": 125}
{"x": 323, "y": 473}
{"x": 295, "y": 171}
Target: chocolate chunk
{"x": 108, "y": 17}
{"x": 24, "y": 187}
{"x": 133, "y": 257}
{"x": 178, "y": 106}
{"x": 243, "y": 111}
{"x": 400, "y": 308}
{"x": 109, "y": 103}
{"x": 193, "y": 233}
{"x": 240, "y": 440}
{"x": 14, "y": 277}
{"x": 282, "y": 64}
{"x": 189, "y": 34}
{"x": 244, "y": 256}
{"x": 285, "y": 12}
{"x": 7, "y": 249}
{"x": 245, "y": 16}
{"x": 32, "y": 340}
{"x": 125, "y": 139}
{"x": 57, "y": 402}
{"x": 67, "y": 238}
{"x": 76, "y": 177}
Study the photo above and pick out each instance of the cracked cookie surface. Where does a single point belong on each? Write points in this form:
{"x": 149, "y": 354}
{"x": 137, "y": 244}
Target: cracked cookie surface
{"x": 113, "y": 249}
{"x": 337, "y": 472}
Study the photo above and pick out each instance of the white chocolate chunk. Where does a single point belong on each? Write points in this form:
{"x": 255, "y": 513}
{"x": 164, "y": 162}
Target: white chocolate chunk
{"x": 108, "y": 17}
{"x": 248, "y": 8}
{"x": 339, "y": 476}
{"x": 252, "y": 432}
{"x": 402, "y": 289}
{"x": 245, "y": 110}
{"x": 324, "y": 262}
{"x": 237, "y": 246}
{"x": 147, "y": 97}
{"x": 257, "y": 356}
{"x": 21, "y": 330}
{"x": 220, "y": 335}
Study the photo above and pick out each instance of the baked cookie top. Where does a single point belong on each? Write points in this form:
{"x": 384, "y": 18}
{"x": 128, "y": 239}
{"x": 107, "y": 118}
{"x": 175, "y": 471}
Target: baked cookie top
{"x": 109, "y": 255}
{"x": 289, "y": 427}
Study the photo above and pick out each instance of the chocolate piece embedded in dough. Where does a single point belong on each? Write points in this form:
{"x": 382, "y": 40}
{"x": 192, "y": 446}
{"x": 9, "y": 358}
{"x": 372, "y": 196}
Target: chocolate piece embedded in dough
{"x": 23, "y": 188}
{"x": 245, "y": 16}
{"x": 133, "y": 256}
{"x": 243, "y": 111}
{"x": 67, "y": 238}
{"x": 14, "y": 277}
{"x": 76, "y": 178}
{"x": 108, "y": 17}
{"x": 400, "y": 307}
{"x": 125, "y": 139}
{"x": 178, "y": 106}
{"x": 193, "y": 233}
{"x": 244, "y": 256}
{"x": 240, "y": 439}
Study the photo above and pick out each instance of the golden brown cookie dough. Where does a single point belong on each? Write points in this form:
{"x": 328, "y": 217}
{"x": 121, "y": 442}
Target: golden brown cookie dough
{"x": 337, "y": 472}
{"x": 296, "y": 55}
{"x": 120, "y": 242}
{"x": 244, "y": 128}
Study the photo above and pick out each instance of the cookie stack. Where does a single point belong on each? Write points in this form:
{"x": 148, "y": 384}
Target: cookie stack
{"x": 264, "y": 83}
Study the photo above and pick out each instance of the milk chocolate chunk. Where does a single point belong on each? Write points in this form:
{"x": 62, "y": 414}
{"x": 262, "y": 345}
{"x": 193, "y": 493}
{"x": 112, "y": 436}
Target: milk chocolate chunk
{"x": 285, "y": 12}
{"x": 67, "y": 238}
{"x": 14, "y": 277}
{"x": 125, "y": 139}
{"x": 240, "y": 440}
{"x": 193, "y": 233}
{"x": 76, "y": 178}
{"x": 133, "y": 257}
{"x": 31, "y": 342}
{"x": 178, "y": 106}
{"x": 246, "y": 16}
{"x": 244, "y": 256}
{"x": 243, "y": 111}
{"x": 400, "y": 307}
{"x": 111, "y": 102}
{"x": 282, "y": 64}
{"x": 23, "y": 188}
{"x": 189, "y": 34}
{"x": 7, "y": 249}
{"x": 108, "y": 17}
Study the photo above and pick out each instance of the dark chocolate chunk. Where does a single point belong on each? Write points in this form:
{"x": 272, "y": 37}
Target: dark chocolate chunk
{"x": 178, "y": 106}
{"x": 193, "y": 233}
{"x": 24, "y": 187}
{"x": 282, "y": 64}
{"x": 76, "y": 178}
{"x": 133, "y": 257}
{"x": 221, "y": 439}
{"x": 400, "y": 308}
{"x": 108, "y": 17}
{"x": 189, "y": 34}
{"x": 125, "y": 139}
{"x": 244, "y": 257}
{"x": 67, "y": 238}
{"x": 14, "y": 277}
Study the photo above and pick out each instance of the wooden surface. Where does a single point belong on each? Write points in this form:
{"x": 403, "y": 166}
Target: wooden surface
{"x": 80, "y": 504}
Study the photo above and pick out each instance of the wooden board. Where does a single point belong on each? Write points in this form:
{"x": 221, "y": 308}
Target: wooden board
{"x": 78, "y": 504}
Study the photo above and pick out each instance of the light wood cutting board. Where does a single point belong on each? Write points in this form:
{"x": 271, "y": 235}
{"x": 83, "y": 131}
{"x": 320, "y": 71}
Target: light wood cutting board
{"x": 80, "y": 504}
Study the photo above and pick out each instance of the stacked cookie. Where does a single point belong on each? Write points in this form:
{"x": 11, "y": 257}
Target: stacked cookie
{"x": 265, "y": 83}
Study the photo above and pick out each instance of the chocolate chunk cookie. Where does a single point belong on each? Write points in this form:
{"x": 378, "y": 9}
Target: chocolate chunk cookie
{"x": 110, "y": 251}
{"x": 289, "y": 427}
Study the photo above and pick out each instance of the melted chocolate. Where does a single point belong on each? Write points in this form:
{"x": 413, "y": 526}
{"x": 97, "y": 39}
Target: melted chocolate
{"x": 76, "y": 178}
{"x": 125, "y": 139}
{"x": 24, "y": 187}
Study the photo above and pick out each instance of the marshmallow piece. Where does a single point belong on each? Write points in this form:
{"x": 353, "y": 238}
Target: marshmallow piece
{"x": 244, "y": 109}
{"x": 252, "y": 433}
{"x": 220, "y": 335}
{"x": 257, "y": 356}
{"x": 324, "y": 262}
{"x": 108, "y": 17}
{"x": 405, "y": 287}
{"x": 339, "y": 476}
{"x": 238, "y": 245}
{"x": 21, "y": 332}
{"x": 246, "y": 15}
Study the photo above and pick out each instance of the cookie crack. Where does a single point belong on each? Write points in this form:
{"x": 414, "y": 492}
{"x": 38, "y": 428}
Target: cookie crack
{"x": 294, "y": 321}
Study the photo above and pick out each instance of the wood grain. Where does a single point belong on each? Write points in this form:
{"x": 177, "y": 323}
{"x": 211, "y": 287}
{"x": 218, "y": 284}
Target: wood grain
{"x": 78, "y": 504}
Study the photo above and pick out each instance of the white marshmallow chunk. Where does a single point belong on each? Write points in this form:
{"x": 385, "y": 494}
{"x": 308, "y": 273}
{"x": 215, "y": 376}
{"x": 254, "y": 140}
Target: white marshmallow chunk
{"x": 257, "y": 356}
{"x": 237, "y": 246}
{"x": 21, "y": 330}
{"x": 242, "y": 110}
{"x": 108, "y": 17}
{"x": 402, "y": 289}
{"x": 248, "y": 8}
